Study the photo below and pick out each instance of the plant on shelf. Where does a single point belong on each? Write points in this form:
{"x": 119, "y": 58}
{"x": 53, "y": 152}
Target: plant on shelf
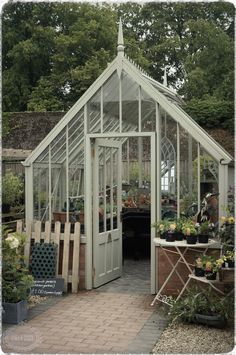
{"x": 16, "y": 280}
{"x": 211, "y": 266}
{"x": 170, "y": 231}
{"x": 226, "y": 233}
{"x": 161, "y": 228}
{"x": 190, "y": 231}
{"x": 204, "y": 307}
{"x": 179, "y": 228}
{"x": 199, "y": 271}
{"x": 204, "y": 230}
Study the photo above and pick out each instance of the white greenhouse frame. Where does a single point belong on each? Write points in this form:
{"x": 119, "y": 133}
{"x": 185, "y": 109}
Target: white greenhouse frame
{"x": 53, "y": 157}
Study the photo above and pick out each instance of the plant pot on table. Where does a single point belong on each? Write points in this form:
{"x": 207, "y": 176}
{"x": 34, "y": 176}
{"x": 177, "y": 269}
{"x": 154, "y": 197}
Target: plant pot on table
{"x": 203, "y": 238}
{"x": 179, "y": 236}
{"x": 199, "y": 272}
{"x": 163, "y": 235}
{"x": 14, "y": 313}
{"x": 210, "y": 275}
{"x": 228, "y": 264}
{"x": 170, "y": 237}
{"x": 191, "y": 239}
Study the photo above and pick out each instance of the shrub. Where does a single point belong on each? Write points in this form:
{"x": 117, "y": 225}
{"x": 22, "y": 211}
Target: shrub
{"x": 12, "y": 189}
{"x": 16, "y": 280}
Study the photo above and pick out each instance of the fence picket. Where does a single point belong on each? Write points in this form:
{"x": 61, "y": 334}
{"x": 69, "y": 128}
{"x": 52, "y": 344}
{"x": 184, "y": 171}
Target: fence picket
{"x": 65, "y": 263}
{"x": 57, "y": 241}
{"x": 75, "y": 265}
{"x": 19, "y": 226}
{"x": 27, "y": 242}
{"x": 47, "y": 232}
{"x": 56, "y": 237}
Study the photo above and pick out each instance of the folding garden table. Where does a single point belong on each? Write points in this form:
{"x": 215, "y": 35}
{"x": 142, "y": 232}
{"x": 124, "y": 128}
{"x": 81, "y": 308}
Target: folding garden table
{"x": 181, "y": 249}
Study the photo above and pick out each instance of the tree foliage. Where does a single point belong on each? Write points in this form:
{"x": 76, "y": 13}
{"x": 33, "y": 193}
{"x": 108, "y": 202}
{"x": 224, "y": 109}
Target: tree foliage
{"x": 52, "y": 52}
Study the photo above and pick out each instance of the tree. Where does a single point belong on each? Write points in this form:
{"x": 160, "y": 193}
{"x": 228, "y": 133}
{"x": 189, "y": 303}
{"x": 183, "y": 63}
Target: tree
{"x": 52, "y": 52}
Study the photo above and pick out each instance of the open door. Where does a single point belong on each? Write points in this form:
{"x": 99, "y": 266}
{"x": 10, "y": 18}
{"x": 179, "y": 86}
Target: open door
{"x": 107, "y": 227}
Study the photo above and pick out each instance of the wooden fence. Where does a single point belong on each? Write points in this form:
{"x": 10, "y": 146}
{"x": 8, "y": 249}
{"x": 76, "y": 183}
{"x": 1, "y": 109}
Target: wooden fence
{"x": 68, "y": 251}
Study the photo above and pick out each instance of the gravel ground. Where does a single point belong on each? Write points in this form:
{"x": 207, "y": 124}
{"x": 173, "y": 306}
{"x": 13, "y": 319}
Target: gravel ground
{"x": 34, "y": 300}
{"x": 183, "y": 338}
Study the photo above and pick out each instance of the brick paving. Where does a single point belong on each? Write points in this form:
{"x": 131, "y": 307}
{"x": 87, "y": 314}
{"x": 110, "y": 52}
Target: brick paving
{"x": 115, "y": 318}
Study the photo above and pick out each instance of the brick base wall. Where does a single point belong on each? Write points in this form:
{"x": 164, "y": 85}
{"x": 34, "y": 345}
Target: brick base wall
{"x": 163, "y": 269}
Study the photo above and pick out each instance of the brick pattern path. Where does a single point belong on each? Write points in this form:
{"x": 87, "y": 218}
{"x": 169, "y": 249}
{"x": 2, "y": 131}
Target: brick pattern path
{"x": 105, "y": 320}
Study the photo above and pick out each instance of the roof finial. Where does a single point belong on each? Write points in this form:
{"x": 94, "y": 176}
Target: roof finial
{"x": 165, "y": 77}
{"x": 120, "y": 47}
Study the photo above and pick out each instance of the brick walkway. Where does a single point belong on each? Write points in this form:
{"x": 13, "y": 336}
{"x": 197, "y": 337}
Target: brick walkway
{"x": 110, "y": 319}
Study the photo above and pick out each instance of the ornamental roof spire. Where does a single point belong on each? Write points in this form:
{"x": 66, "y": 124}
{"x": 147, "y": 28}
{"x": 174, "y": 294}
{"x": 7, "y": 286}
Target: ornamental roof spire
{"x": 120, "y": 46}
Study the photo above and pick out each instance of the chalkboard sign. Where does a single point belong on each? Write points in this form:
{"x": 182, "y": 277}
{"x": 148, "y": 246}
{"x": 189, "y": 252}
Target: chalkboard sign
{"x": 47, "y": 287}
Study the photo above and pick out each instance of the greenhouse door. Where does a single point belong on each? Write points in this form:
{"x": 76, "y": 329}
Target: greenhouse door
{"x": 107, "y": 227}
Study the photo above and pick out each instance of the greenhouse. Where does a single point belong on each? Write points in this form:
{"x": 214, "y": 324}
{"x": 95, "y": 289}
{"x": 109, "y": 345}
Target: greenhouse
{"x": 126, "y": 140}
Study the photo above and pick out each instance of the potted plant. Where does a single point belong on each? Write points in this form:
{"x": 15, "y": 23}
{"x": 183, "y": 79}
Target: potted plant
{"x": 179, "y": 226}
{"x": 211, "y": 267}
{"x": 161, "y": 228}
{"x": 199, "y": 271}
{"x": 204, "y": 229}
{"x": 16, "y": 280}
{"x": 228, "y": 259}
{"x": 203, "y": 307}
{"x": 226, "y": 233}
{"x": 190, "y": 231}
{"x": 170, "y": 231}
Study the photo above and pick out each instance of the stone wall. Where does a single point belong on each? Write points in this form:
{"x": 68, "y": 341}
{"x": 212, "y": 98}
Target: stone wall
{"x": 28, "y": 129}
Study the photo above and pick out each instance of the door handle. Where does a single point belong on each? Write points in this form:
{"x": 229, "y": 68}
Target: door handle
{"x": 109, "y": 238}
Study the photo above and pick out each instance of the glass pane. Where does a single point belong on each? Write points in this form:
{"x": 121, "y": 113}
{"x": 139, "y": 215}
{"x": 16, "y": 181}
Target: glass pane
{"x": 111, "y": 104}
{"x": 209, "y": 174}
{"x": 168, "y": 166}
{"x": 148, "y": 111}
{"x": 94, "y": 113}
{"x": 188, "y": 191}
{"x": 130, "y": 96}
{"x": 41, "y": 193}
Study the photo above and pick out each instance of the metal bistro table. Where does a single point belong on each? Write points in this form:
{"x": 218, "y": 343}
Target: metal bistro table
{"x": 181, "y": 248}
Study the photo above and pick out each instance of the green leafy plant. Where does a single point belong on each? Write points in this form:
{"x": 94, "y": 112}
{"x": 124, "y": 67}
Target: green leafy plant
{"x": 197, "y": 301}
{"x": 12, "y": 189}
{"x": 16, "y": 280}
{"x": 161, "y": 226}
{"x": 188, "y": 227}
{"x": 204, "y": 227}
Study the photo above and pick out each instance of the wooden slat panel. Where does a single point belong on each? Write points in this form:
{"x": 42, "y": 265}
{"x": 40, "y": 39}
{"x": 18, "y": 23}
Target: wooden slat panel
{"x": 75, "y": 266}
{"x": 47, "y": 232}
{"x": 27, "y": 242}
{"x": 56, "y": 240}
{"x": 37, "y": 228}
{"x": 65, "y": 263}
{"x": 19, "y": 226}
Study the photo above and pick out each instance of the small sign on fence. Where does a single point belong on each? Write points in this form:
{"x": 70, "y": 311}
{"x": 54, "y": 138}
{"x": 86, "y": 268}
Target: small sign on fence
{"x": 47, "y": 287}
